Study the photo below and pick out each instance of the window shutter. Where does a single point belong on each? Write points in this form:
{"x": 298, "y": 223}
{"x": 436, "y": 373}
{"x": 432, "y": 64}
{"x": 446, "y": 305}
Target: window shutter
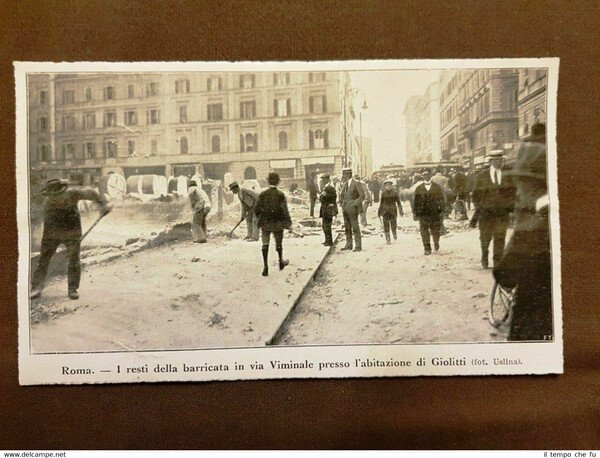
{"x": 208, "y": 88}
{"x": 253, "y": 79}
{"x": 310, "y": 78}
{"x": 241, "y": 109}
{"x": 209, "y": 112}
{"x": 157, "y": 116}
{"x": 104, "y": 92}
{"x": 148, "y": 117}
{"x": 275, "y": 111}
{"x": 311, "y": 139}
{"x": 83, "y": 151}
{"x": 241, "y": 81}
{"x": 242, "y": 149}
{"x": 187, "y": 85}
{"x": 310, "y": 104}
{"x": 254, "y": 109}
{"x": 255, "y": 142}
{"x": 104, "y": 148}
{"x": 324, "y": 103}
{"x": 289, "y": 107}
{"x": 326, "y": 138}
{"x": 287, "y": 78}
{"x": 220, "y": 83}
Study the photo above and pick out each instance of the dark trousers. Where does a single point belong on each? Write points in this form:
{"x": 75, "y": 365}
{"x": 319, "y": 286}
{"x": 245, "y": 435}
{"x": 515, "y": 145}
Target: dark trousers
{"x": 389, "y": 221}
{"x": 277, "y": 235}
{"x": 266, "y": 236}
{"x": 430, "y": 228}
{"x": 327, "y": 220}
{"x": 313, "y": 200}
{"x": 376, "y": 196}
{"x": 48, "y": 249}
{"x": 493, "y": 228}
{"x": 352, "y": 229}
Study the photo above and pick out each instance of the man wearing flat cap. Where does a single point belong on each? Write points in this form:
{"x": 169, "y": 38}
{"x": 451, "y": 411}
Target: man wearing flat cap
{"x": 248, "y": 199}
{"x": 62, "y": 225}
{"x": 494, "y": 199}
{"x": 328, "y": 210}
{"x": 526, "y": 264}
{"x": 351, "y": 198}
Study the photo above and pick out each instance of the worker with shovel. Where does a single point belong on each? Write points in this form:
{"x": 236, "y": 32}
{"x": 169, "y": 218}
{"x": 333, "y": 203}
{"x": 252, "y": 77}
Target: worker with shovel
{"x": 62, "y": 225}
{"x": 248, "y": 199}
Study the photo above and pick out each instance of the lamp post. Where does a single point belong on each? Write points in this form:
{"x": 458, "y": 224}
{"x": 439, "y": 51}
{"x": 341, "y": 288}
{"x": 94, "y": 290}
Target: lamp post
{"x": 354, "y": 91}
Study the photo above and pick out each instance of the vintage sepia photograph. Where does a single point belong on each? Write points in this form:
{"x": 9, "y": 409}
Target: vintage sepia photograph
{"x": 207, "y": 221}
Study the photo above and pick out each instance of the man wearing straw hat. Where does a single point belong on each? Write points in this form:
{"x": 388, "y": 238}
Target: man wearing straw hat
{"x": 494, "y": 198}
{"x": 62, "y": 225}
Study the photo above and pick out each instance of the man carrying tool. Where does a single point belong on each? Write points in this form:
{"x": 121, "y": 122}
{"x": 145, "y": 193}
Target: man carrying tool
{"x": 248, "y": 200}
{"x": 62, "y": 225}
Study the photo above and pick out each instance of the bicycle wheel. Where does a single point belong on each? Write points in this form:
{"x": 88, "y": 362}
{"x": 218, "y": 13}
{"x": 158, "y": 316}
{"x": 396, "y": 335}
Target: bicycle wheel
{"x": 500, "y": 306}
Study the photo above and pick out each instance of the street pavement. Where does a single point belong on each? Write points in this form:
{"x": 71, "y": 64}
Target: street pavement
{"x": 396, "y": 294}
{"x": 183, "y": 295}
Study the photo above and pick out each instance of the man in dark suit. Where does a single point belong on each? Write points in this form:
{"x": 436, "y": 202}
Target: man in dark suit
{"x": 429, "y": 209}
{"x": 494, "y": 198}
{"x": 351, "y": 198}
{"x": 328, "y": 210}
{"x": 388, "y": 209}
{"x": 526, "y": 263}
{"x": 273, "y": 217}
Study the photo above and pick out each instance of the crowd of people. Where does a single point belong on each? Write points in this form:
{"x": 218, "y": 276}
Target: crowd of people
{"x": 496, "y": 193}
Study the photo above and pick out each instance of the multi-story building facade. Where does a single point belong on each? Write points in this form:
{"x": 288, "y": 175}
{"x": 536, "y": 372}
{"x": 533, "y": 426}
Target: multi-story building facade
{"x": 531, "y": 99}
{"x": 422, "y": 120}
{"x": 488, "y": 117}
{"x": 449, "y": 107}
{"x": 83, "y": 126}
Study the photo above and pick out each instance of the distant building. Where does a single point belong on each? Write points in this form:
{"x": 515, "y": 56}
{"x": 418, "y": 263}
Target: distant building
{"x": 488, "y": 117}
{"x": 365, "y": 147}
{"x": 531, "y": 99}
{"x": 449, "y": 107}
{"x": 422, "y": 122}
{"x": 388, "y": 170}
{"x": 410, "y": 121}
{"x": 82, "y": 126}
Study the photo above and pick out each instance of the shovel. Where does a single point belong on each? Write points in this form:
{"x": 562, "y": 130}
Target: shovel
{"x": 234, "y": 228}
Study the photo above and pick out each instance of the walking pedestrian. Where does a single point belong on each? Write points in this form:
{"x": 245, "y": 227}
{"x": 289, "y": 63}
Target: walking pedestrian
{"x": 62, "y": 225}
{"x": 526, "y": 264}
{"x": 248, "y": 199}
{"x": 376, "y": 188}
{"x": 201, "y": 207}
{"x": 328, "y": 210}
{"x": 313, "y": 191}
{"x": 273, "y": 217}
{"x": 429, "y": 209}
{"x": 387, "y": 210}
{"x": 351, "y": 198}
{"x": 494, "y": 198}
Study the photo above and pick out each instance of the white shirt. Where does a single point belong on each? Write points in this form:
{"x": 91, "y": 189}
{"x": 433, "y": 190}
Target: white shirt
{"x": 427, "y": 185}
{"x": 496, "y": 175}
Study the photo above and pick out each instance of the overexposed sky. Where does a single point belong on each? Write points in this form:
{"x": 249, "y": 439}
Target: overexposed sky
{"x": 386, "y": 93}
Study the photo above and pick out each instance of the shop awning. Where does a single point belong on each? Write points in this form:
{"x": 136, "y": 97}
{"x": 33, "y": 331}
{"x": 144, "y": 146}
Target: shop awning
{"x": 319, "y": 160}
{"x": 283, "y": 164}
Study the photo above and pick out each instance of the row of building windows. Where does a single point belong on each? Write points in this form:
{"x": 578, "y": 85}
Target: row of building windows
{"x": 318, "y": 139}
{"x": 182, "y": 86}
{"x": 215, "y": 112}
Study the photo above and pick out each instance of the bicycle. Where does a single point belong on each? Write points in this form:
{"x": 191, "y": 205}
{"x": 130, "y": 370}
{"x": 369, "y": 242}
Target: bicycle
{"x": 501, "y": 304}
